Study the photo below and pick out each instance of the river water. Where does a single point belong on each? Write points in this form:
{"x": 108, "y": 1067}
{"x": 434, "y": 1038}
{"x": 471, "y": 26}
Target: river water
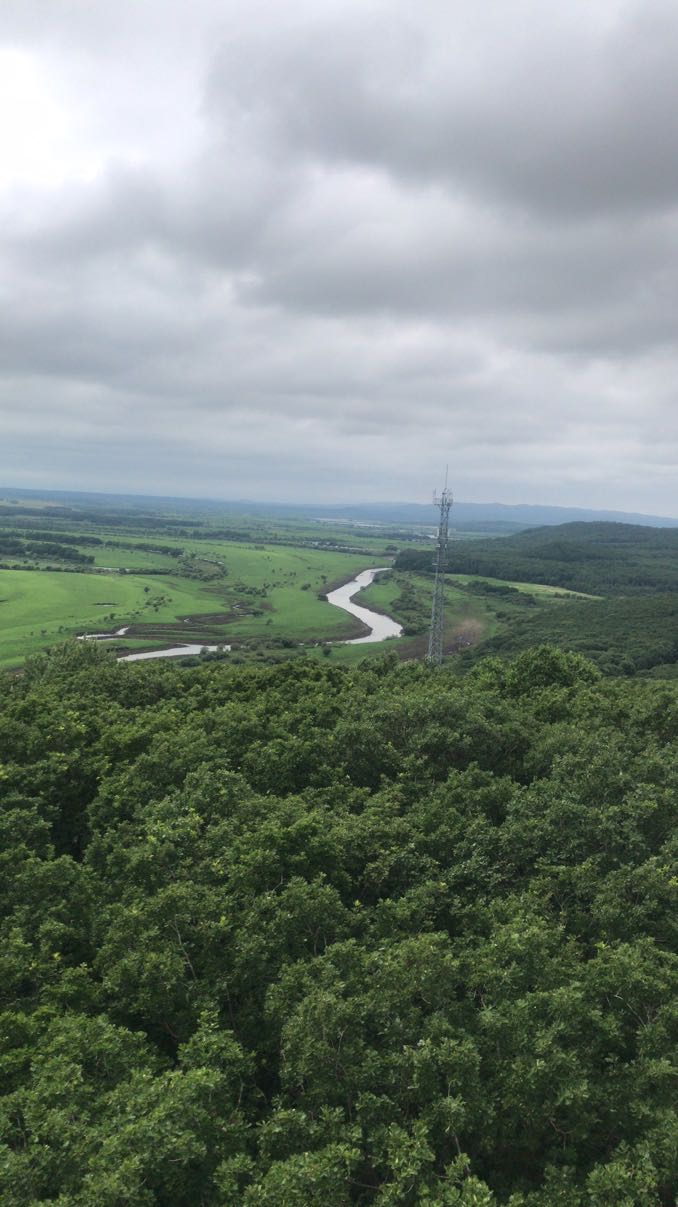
{"x": 381, "y": 626}
{"x": 103, "y": 636}
{"x": 177, "y": 651}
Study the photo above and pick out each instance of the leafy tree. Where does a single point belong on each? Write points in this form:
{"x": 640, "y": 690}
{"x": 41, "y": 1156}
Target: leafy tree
{"x": 316, "y": 935}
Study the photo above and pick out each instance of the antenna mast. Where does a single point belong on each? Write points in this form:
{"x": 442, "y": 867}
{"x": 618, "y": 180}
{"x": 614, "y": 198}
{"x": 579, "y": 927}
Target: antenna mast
{"x": 435, "y": 639}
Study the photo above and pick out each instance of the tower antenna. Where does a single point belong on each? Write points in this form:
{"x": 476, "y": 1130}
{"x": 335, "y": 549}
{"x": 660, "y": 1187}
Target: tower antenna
{"x": 435, "y": 638}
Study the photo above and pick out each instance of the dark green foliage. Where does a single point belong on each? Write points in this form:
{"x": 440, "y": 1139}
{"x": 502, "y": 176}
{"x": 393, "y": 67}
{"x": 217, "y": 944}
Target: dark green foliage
{"x": 596, "y": 558}
{"x": 622, "y": 636}
{"x": 42, "y": 549}
{"x": 408, "y": 608}
{"x": 631, "y": 630}
{"x": 299, "y": 935}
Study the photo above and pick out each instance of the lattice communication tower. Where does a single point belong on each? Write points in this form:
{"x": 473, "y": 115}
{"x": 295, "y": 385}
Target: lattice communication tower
{"x": 435, "y": 640}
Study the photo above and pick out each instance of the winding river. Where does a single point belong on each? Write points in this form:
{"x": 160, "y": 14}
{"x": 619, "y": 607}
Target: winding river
{"x": 177, "y": 651}
{"x": 380, "y": 626}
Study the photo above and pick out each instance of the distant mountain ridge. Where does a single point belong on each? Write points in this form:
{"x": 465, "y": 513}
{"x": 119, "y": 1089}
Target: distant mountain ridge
{"x": 510, "y": 515}
{"x": 505, "y": 517}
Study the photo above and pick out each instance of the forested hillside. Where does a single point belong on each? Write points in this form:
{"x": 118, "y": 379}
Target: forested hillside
{"x": 597, "y": 558}
{"x": 303, "y": 935}
{"x": 622, "y": 636}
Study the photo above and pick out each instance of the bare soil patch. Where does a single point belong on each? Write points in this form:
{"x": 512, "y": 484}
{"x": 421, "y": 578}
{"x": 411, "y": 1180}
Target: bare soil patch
{"x": 468, "y": 632}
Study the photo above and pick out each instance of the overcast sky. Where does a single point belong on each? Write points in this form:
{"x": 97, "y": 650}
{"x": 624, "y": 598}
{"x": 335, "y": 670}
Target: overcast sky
{"x": 319, "y": 248}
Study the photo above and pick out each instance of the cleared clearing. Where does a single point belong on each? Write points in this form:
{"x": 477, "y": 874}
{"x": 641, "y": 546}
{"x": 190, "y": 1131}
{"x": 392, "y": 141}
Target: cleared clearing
{"x": 525, "y": 588}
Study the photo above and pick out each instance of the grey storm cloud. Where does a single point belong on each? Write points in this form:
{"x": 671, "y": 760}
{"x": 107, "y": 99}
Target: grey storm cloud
{"x": 555, "y": 111}
{"x": 322, "y": 248}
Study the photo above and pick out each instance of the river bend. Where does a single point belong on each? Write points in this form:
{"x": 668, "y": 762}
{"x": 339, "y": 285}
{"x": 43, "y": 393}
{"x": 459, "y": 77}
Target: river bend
{"x": 381, "y": 626}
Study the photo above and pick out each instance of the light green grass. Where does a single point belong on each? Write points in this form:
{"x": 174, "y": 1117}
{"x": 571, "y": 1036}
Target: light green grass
{"x": 39, "y": 608}
{"x": 350, "y": 655}
{"x": 133, "y": 559}
{"x": 526, "y": 588}
{"x": 383, "y": 594}
{"x": 289, "y": 610}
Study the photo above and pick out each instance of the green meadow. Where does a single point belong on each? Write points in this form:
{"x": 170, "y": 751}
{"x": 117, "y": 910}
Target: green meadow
{"x": 260, "y": 594}
{"x": 38, "y": 608}
{"x": 537, "y": 589}
{"x": 251, "y": 582}
{"x": 264, "y": 593}
{"x": 408, "y": 599}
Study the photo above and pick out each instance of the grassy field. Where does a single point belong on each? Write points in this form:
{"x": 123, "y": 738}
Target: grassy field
{"x": 469, "y": 619}
{"x": 132, "y": 559}
{"x": 266, "y": 593}
{"x": 247, "y": 581}
{"x": 408, "y": 598}
{"x": 38, "y": 608}
{"x": 536, "y": 589}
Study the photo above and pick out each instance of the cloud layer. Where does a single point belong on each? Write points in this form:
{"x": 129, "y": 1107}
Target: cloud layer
{"x": 320, "y": 249}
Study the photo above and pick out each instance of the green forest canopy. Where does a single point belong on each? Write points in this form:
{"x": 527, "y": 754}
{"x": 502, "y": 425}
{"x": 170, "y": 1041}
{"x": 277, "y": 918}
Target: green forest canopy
{"x": 597, "y": 558}
{"x": 302, "y": 935}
